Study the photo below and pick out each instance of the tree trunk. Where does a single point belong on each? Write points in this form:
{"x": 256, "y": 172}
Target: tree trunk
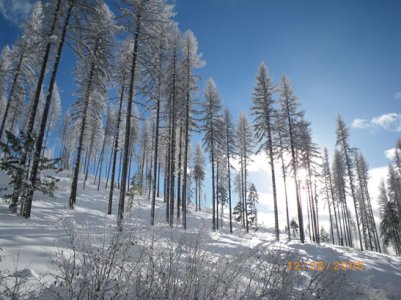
{"x": 217, "y": 194}
{"x": 246, "y": 194}
{"x": 109, "y": 166}
{"x": 156, "y": 176}
{"x": 229, "y": 180}
{"x": 74, "y": 186}
{"x": 128, "y": 124}
{"x": 294, "y": 166}
{"x": 90, "y": 150}
{"x": 271, "y": 155}
{"x": 11, "y": 94}
{"x": 38, "y": 145}
{"x": 179, "y": 177}
{"x": 351, "y": 183}
{"x": 42, "y": 73}
{"x": 115, "y": 148}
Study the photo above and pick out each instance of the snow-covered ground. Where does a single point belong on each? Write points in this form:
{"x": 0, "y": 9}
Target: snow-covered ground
{"x": 31, "y": 249}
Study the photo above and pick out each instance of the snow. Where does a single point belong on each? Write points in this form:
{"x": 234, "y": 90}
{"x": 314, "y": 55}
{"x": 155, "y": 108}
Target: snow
{"x": 29, "y": 248}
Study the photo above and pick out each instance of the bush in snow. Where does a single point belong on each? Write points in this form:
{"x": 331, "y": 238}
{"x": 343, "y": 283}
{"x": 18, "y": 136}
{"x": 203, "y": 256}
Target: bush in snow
{"x": 139, "y": 263}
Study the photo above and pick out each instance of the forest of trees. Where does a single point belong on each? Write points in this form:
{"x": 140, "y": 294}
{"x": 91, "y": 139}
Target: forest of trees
{"x": 137, "y": 109}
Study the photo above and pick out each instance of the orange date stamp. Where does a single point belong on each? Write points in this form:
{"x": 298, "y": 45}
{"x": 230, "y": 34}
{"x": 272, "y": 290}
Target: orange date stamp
{"x": 325, "y": 265}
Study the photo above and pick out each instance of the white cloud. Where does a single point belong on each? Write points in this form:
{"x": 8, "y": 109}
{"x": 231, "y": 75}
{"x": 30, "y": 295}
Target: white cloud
{"x": 360, "y": 123}
{"x": 390, "y": 122}
{"x": 15, "y": 11}
{"x": 390, "y": 153}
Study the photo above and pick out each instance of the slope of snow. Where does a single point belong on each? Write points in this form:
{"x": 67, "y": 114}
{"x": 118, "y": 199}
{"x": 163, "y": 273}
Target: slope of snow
{"x": 28, "y": 248}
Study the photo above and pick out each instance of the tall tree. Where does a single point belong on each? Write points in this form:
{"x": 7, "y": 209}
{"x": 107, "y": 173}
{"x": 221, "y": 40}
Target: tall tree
{"x": 308, "y": 158}
{"x": 25, "y": 59}
{"x": 263, "y": 113}
{"x": 291, "y": 114}
{"x": 93, "y": 72}
{"x": 211, "y": 123}
{"x": 231, "y": 149}
{"x": 342, "y": 140}
{"x": 245, "y": 145}
{"x": 390, "y": 223}
{"x": 143, "y": 19}
{"x": 253, "y": 199}
{"x": 279, "y": 125}
{"x": 341, "y": 198}
{"x": 191, "y": 60}
{"x": 366, "y": 211}
{"x": 394, "y": 187}
{"x": 199, "y": 174}
{"x": 329, "y": 192}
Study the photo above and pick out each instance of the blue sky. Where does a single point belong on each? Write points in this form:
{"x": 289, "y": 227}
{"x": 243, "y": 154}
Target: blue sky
{"x": 343, "y": 57}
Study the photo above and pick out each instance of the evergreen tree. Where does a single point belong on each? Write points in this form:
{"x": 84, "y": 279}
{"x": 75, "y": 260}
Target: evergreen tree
{"x": 198, "y": 174}
{"x": 324, "y": 236}
{"x": 365, "y": 207}
{"x": 291, "y": 114}
{"x": 92, "y": 74}
{"x": 245, "y": 145}
{"x": 253, "y": 199}
{"x": 263, "y": 113}
{"x": 230, "y": 146}
{"x": 308, "y": 155}
{"x": 329, "y": 193}
{"x": 394, "y": 188}
{"x": 211, "y": 125}
{"x": 341, "y": 198}
{"x": 390, "y": 223}
{"x": 294, "y": 226}
{"x": 279, "y": 125}
{"x": 342, "y": 141}
{"x": 143, "y": 20}
{"x": 191, "y": 60}
{"x": 23, "y": 65}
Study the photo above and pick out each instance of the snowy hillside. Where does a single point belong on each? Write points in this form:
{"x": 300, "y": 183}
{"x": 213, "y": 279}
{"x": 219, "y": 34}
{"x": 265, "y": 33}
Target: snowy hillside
{"x": 36, "y": 261}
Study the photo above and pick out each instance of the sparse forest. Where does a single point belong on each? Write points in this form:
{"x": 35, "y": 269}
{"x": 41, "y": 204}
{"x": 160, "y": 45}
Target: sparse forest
{"x": 144, "y": 126}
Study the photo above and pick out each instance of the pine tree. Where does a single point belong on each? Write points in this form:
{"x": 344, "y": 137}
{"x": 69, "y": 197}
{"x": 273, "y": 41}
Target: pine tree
{"x": 294, "y": 226}
{"x": 394, "y": 188}
{"x": 24, "y": 60}
{"x": 341, "y": 198}
{"x": 244, "y": 135}
{"x": 253, "y": 199}
{"x": 230, "y": 146}
{"x": 308, "y": 156}
{"x": 342, "y": 140}
{"x": 324, "y": 236}
{"x": 198, "y": 174}
{"x": 291, "y": 115}
{"x": 191, "y": 60}
{"x": 366, "y": 211}
{"x": 92, "y": 73}
{"x": 264, "y": 113}
{"x": 390, "y": 223}
{"x": 211, "y": 123}
{"x": 144, "y": 19}
{"x": 329, "y": 193}
{"x": 279, "y": 125}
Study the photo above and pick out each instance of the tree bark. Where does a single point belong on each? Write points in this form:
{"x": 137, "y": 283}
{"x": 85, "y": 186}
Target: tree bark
{"x": 115, "y": 148}
{"x": 38, "y": 145}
